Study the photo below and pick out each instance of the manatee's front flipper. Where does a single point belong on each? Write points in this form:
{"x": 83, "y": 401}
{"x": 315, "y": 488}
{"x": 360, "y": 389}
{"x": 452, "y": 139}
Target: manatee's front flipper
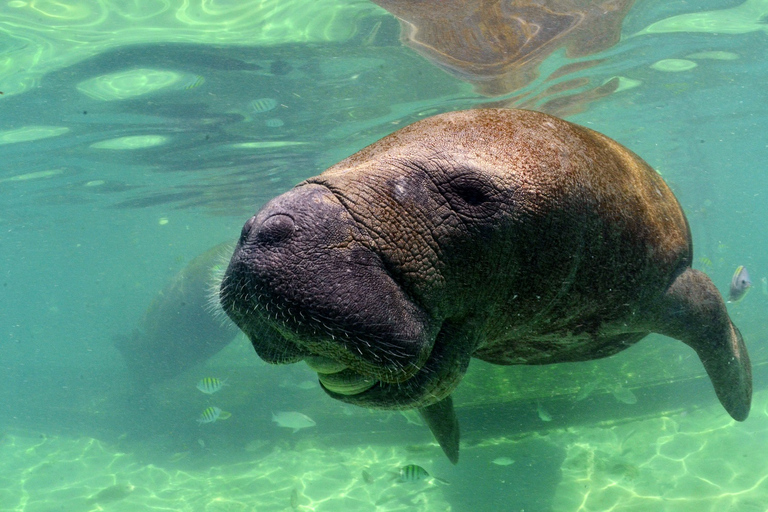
{"x": 442, "y": 421}
{"x": 694, "y": 312}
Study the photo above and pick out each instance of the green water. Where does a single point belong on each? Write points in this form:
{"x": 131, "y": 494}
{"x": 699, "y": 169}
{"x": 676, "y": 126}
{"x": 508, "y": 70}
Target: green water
{"x": 135, "y": 136}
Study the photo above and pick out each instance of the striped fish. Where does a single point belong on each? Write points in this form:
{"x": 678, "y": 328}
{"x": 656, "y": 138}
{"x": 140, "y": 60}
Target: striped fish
{"x": 191, "y": 82}
{"x": 275, "y": 122}
{"x": 412, "y": 473}
{"x": 212, "y": 414}
{"x": 262, "y": 105}
{"x": 210, "y": 385}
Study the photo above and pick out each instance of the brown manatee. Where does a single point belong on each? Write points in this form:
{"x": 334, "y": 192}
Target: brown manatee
{"x": 506, "y": 235}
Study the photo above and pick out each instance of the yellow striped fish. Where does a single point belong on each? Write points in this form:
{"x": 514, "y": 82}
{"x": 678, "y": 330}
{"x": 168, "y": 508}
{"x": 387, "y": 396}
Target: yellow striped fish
{"x": 262, "y": 105}
{"x": 210, "y": 385}
{"x": 191, "y": 82}
{"x": 414, "y": 473}
{"x": 212, "y": 414}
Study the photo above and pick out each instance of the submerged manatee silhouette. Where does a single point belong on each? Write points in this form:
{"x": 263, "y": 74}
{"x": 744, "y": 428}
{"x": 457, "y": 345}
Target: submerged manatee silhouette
{"x": 507, "y": 235}
{"x": 180, "y": 328}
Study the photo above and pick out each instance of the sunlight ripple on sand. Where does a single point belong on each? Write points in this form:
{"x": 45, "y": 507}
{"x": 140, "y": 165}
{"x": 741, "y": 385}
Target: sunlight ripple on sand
{"x": 699, "y": 462}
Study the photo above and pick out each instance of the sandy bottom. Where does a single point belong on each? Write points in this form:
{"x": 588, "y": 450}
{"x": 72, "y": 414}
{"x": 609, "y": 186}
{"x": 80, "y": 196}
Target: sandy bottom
{"x": 700, "y": 461}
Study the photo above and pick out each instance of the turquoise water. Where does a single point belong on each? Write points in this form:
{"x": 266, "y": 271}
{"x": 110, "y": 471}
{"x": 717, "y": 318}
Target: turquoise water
{"x": 135, "y": 136}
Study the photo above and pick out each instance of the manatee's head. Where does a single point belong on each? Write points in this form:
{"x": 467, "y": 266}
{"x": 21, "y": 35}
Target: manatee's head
{"x": 381, "y": 272}
{"x": 304, "y": 283}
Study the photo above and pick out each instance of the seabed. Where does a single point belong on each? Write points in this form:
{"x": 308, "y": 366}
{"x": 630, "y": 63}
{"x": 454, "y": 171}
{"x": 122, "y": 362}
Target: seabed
{"x": 697, "y": 461}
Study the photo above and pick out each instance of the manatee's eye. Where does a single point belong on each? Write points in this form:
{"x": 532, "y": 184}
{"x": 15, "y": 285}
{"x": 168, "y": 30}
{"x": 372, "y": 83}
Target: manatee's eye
{"x": 471, "y": 195}
{"x": 469, "y": 190}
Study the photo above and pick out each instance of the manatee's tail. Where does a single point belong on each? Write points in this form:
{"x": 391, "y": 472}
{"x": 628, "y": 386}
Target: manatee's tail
{"x": 694, "y": 312}
{"x": 441, "y": 420}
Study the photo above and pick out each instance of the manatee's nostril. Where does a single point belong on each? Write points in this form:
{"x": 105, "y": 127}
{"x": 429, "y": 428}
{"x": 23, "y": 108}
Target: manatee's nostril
{"x": 275, "y": 228}
{"x": 247, "y": 227}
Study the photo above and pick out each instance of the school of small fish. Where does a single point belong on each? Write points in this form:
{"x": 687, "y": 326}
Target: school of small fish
{"x": 211, "y": 414}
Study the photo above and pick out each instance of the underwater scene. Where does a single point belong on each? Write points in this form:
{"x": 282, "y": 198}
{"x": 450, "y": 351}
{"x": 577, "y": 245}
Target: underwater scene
{"x": 138, "y": 137}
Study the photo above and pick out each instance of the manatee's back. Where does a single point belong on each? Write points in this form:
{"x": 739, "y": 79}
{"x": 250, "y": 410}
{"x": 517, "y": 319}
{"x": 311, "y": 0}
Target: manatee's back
{"x": 585, "y": 233}
{"x": 597, "y": 236}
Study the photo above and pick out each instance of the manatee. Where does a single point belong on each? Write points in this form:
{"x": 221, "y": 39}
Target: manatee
{"x": 506, "y": 235}
{"x": 180, "y": 328}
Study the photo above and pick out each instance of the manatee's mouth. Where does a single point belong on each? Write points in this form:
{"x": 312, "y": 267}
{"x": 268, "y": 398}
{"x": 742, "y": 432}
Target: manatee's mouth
{"x": 347, "y": 363}
{"x": 336, "y": 377}
{"x": 382, "y": 378}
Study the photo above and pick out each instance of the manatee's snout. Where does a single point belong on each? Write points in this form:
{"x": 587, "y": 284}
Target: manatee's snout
{"x": 299, "y": 285}
{"x": 275, "y": 223}
{"x": 273, "y": 229}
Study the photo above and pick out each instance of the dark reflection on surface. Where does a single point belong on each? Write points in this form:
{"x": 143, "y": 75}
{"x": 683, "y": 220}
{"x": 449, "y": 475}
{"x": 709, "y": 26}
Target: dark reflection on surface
{"x": 498, "y": 45}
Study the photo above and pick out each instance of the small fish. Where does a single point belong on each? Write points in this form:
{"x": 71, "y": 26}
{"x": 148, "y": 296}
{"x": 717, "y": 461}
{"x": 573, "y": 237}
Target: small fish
{"x": 418, "y": 448}
{"x": 367, "y": 478}
{"x": 262, "y": 105}
{"x": 543, "y": 414}
{"x": 307, "y": 384}
{"x": 294, "y": 499}
{"x": 764, "y": 283}
{"x": 191, "y": 82}
{"x": 275, "y": 122}
{"x": 210, "y": 385}
{"x": 412, "y": 417}
{"x": 211, "y": 414}
{"x": 176, "y": 457}
{"x": 294, "y": 420}
{"x": 586, "y": 390}
{"x": 705, "y": 262}
{"x": 503, "y": 461}
{"x": 255, "y": 445}
{"x": 740, "y": 284}
{"x": 413, "y": 473}
{"x": 624, "y": 395}
{"x": 111, "y": 494}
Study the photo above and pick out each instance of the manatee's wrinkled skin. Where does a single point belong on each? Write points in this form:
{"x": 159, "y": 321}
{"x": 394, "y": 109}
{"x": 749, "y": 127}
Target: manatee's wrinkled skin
{"x": 506, "y": 235}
